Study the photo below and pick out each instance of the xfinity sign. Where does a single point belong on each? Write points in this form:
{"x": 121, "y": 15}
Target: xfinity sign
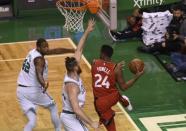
{"x": 141, "y": 3}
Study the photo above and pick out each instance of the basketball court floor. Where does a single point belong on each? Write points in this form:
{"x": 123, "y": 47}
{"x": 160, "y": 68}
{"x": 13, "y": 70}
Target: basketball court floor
{"x": 159, "y": 101}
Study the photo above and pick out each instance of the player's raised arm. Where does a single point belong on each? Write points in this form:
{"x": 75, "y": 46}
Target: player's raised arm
{"x": 119, "y": 76}
{"x": 81, "y": 43}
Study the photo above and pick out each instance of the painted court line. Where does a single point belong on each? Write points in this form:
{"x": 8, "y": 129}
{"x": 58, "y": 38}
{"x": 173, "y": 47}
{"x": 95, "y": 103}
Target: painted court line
{"x": 25, "y": 42}
{"x": 118, "y": 104}
{"x": 152, "y": 123}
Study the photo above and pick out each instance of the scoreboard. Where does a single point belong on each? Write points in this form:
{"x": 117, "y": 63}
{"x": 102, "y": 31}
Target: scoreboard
{"x": 35, "y": 4}
{"x": 6, "y": 9}
{"x": 22, "y": 6}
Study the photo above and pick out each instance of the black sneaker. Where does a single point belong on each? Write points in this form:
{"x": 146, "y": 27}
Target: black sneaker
{"x": 112, "y": 35}
{"x": 144, "y": 49}
{"x": 179, "y": 74}
{"x": 156, "y": 53}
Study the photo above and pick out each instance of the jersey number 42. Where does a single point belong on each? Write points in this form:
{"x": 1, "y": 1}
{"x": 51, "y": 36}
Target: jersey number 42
{"x": 101, "y": 81}
{"x": 26, "y": 66}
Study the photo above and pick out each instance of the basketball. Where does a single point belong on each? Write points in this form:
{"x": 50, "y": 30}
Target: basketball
{"x": 136, "y": 65}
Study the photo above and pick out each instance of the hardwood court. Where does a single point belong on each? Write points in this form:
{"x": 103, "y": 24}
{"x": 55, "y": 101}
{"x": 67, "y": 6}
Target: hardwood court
{"x": 12, "y": 118}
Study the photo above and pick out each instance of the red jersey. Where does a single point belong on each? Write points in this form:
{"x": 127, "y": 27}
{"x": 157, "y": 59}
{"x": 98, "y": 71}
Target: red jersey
{"x": 103, "y": 78}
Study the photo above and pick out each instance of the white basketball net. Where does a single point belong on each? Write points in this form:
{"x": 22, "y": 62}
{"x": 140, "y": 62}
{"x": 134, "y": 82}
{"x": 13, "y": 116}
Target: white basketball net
{"x": 73, "y": 18}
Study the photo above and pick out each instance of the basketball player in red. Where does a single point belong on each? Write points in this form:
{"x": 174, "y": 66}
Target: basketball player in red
{"x": 105, "y": 75}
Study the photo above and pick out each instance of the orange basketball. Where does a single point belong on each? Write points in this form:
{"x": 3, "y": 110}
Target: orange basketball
{"x": 136, "y": 65}
{"x": 93, "y": 6}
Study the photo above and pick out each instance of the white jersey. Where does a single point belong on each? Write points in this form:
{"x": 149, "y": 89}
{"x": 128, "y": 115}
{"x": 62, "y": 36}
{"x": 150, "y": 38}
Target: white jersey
{"x": 81, "y": 96}
{"x": 27, "y": 75}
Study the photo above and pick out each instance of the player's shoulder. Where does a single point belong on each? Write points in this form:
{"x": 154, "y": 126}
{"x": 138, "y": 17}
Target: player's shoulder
{"x": 112, "y": 63}
{"x": 95, "y": 61}
{"x": 34, "y": 53}
{"x": 68, "y": 79}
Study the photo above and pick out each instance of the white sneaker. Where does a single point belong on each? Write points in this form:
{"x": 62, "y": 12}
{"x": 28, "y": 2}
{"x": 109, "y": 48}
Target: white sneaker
{"x": 129, "y": 107}
{"x": 119, "y": 33}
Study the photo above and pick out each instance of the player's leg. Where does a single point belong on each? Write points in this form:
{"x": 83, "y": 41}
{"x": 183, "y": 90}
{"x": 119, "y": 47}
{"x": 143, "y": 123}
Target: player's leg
{"x": 124, "y": 100}
{"x": 111, "y": 125}
{"x": 54, "y": 117}
{"x": 31, "y": 115}
{"x": 103, "y": 107}
{"x": 105, "y": 103}
{"x": 28, "y": 108}
{"x": 45, "y": 100}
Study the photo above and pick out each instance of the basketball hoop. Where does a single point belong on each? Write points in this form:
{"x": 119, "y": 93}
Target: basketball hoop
{"x": 73, "y": 11}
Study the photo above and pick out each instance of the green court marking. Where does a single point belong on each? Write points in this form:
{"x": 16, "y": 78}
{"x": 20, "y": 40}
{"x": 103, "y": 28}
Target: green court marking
{"x": 175, "y": 127}
{"x": 172, "y": 125}
{"x": 159, "y": 123}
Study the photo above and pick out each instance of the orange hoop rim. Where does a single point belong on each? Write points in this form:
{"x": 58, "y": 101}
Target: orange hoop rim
{"x": 82, "y": 8}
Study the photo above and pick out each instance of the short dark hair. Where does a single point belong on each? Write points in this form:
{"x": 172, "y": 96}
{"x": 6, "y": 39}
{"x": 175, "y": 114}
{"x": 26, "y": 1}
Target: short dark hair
{"x": 177, "y": 7}
{"x": 70, "y": 62}
{"x": 140, "y": 11}
{"x": 40, "y": 41}
{"x": 107, "y": 50}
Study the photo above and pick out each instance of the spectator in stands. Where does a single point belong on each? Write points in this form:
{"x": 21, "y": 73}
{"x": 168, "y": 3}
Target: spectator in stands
{"x": 184, "y": 5}
{"x": 182, "y": 30}
{"x": 133, "y": 29}
{"x": 178, "y": 23}
{"x": 176, "y": 32}
{"x": 178, "y": 62}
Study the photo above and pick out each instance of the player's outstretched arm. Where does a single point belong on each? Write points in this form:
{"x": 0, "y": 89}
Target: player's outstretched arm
{"x": 81, "y": 43}
{"x": 73, "y": 91}
{"x": 59, "y": 51}
{"x": 119, "y": 77}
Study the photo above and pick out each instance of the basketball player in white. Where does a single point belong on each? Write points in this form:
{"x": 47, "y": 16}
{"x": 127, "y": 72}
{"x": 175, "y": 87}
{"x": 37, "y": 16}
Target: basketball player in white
{"x": 32, "y": 84}
{"x": 73, "y": 95}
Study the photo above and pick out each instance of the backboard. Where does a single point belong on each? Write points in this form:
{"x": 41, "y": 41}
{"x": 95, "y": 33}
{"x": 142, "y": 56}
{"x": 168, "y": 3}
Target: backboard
{"x": 108, "y": 13}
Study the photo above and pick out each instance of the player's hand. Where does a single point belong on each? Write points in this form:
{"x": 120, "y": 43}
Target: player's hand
{"x": 163, "y": 44}
{"x": 46, "y": 86}
{"x": 167, "y": 35}
{"x": 120, "y": 65}
{"x": 139, "y": 73}
{"x": 95, "y": 125}
{"x": 175, "y": 36}
{"x": 91, "y": 24}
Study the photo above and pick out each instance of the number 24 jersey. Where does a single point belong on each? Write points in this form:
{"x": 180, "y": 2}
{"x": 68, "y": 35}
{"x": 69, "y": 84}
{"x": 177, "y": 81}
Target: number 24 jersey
{"x": 103, "y": 78}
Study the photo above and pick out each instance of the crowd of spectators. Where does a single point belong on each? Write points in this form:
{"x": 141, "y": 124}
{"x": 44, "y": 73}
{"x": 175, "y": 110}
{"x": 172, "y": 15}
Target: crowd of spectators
{"x": 175, "y": 38}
